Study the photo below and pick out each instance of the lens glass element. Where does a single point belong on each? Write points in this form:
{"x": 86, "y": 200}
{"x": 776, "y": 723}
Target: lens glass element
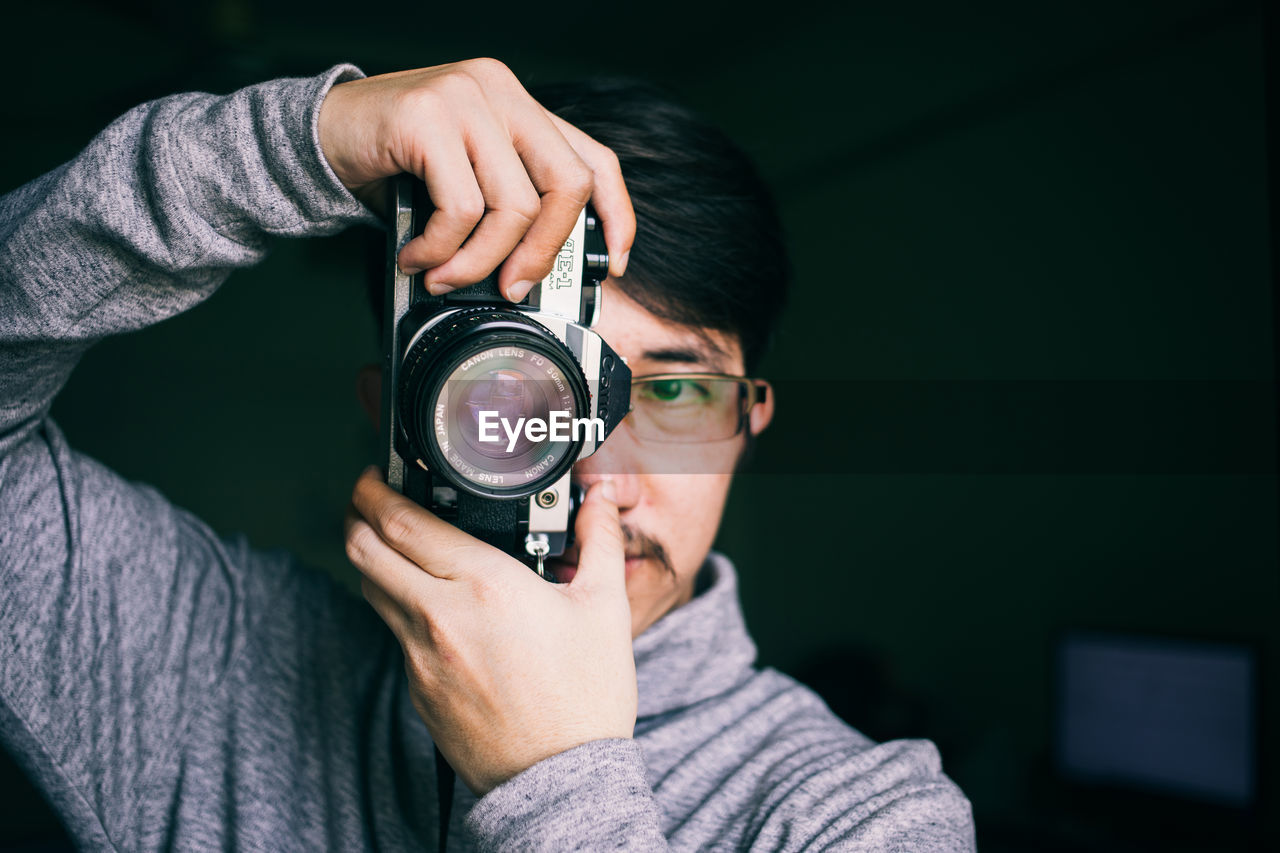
{"x": 503, "y": 417}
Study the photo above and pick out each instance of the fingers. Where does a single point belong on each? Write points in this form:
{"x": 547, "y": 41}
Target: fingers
{"x": 510, "y": 201}
{"x": 379, "y": 562}
{"x": 459, "y": 204}
{"x": 430, "y": 548}
{"x": 386, "y": 607}
{"x": 564, "y": 183}
{"x": 602, "y": 554}
{"x": 609, "y": 194}
{"x": 508, "y": 179}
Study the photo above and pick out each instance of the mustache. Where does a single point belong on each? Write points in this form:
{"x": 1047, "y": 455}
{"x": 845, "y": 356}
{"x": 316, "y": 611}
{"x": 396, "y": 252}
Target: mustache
{"x": 636, "y": 543}
{"x": 641, "y": 544}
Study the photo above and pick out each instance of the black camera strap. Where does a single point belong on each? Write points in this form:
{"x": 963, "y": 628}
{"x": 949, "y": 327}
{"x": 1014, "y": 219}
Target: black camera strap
{"x": 444, "y": 796}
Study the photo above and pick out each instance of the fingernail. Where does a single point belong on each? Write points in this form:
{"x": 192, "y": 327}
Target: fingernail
{"x": 372, "y": 470}
{"x": 436, "y": 288}
{"x": 519, "y": 290}
{"x": 609, "y": 490}
{"x": 622, "y": 263}
{"x": 409, "y": 270}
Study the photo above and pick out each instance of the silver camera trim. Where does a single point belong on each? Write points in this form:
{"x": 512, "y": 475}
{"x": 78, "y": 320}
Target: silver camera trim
{"x": 559, "y": 298}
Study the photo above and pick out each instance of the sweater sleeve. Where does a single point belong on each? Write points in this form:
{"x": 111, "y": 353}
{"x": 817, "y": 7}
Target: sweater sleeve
{"x": 592, "y": 797}
{"x": 120, "y": 613}
{"x": 149, "y": 220}
{"x": 891, "y": 797}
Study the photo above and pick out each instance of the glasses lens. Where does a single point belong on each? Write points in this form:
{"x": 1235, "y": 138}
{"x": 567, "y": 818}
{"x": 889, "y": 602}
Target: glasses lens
{"x": 687, "y": 409}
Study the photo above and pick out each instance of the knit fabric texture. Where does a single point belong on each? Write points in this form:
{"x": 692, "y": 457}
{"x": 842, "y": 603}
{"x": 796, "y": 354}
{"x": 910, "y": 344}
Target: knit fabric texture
{"x": 166, "y": 687}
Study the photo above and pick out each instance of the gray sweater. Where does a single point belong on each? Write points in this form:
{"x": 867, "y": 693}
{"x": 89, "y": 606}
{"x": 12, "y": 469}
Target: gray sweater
{"x": 169, "y": 688}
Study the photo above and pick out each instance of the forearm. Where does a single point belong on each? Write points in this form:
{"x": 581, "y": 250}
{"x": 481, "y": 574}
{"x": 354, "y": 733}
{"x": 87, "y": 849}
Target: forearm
{"x": 150, "y": 219}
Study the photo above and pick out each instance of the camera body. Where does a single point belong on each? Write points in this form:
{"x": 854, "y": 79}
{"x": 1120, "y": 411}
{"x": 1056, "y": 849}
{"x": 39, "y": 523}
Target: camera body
{"x": 486, "y": 404}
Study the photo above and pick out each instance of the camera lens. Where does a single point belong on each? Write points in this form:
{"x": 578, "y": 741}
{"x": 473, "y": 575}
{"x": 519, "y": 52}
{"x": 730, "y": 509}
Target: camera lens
{"x": 489, "y": 401}
{"x": 492, "y": 404}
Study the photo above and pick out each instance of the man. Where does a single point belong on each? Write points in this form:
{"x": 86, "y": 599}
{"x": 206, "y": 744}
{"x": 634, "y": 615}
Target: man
{"x": 168, "y": 688}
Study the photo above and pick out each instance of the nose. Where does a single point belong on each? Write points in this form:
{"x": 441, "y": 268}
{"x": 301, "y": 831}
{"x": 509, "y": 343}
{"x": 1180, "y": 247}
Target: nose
{"x": 618, "y": 460}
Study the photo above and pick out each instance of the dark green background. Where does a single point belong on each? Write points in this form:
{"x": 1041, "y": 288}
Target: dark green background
{"x": 1006, "y": 191}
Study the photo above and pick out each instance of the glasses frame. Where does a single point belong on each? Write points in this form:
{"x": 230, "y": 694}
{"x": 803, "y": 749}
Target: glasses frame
{"x": 751, "y": 391}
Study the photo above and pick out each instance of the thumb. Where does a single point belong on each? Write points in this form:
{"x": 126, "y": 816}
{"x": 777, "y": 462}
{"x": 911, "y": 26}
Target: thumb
{"x": 602, "y": 551}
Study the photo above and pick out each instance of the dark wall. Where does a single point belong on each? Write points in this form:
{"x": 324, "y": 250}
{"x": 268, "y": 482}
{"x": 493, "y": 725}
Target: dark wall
{"x": 1024, "y": 382}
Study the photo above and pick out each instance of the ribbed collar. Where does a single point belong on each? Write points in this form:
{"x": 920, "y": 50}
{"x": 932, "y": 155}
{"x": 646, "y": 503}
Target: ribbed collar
{"x": 696, "y": 651}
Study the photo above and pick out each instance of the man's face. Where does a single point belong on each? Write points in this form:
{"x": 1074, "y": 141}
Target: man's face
{"x": 670, "y": 496}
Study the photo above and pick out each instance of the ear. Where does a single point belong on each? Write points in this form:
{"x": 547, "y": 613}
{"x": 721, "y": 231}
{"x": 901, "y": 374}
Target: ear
{"x": 369, "y": 393}
{"x": 762, "y": 413}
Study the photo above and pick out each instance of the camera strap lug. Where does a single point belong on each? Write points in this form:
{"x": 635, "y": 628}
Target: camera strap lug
{"x": 538, "y": 546}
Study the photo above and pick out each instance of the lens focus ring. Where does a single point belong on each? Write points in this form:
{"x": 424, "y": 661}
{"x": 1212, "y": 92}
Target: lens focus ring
{"x": 489, "y": 359}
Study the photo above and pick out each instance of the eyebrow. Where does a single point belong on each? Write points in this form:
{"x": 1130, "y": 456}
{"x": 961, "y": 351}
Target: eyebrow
{"x": 684, "y": 355}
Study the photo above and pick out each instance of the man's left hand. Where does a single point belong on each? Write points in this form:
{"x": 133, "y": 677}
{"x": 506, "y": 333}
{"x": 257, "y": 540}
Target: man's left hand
{"x": 505, "y": 668}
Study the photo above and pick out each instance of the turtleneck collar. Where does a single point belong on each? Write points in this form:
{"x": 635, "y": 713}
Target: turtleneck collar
{"x": 698, "y": 650}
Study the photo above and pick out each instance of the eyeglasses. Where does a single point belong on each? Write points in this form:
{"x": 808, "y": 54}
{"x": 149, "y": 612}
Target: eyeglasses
{"x": 690, "y": 408}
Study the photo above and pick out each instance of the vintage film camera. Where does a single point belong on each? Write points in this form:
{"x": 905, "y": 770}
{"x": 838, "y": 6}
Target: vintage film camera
{"x": 463, "y": 368}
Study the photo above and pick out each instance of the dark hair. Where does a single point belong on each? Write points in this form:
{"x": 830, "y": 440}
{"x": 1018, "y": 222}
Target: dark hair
{"x": 709, "y": 250}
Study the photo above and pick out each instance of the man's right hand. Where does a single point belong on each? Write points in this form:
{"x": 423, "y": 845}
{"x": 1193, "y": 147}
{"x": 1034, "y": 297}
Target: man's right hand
{"x": 506, "y": 177}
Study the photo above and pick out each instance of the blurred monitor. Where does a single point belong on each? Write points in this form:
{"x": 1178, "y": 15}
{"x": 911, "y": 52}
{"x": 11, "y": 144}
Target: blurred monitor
{"x": 1158, "y": 715}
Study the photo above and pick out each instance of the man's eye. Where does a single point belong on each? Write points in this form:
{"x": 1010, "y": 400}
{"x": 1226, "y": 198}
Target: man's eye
{"x": 673, "y": 391}
{"x": 667, "y": 389}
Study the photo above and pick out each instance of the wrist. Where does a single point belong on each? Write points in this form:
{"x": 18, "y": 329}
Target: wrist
{"x": 326, "y": 120}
